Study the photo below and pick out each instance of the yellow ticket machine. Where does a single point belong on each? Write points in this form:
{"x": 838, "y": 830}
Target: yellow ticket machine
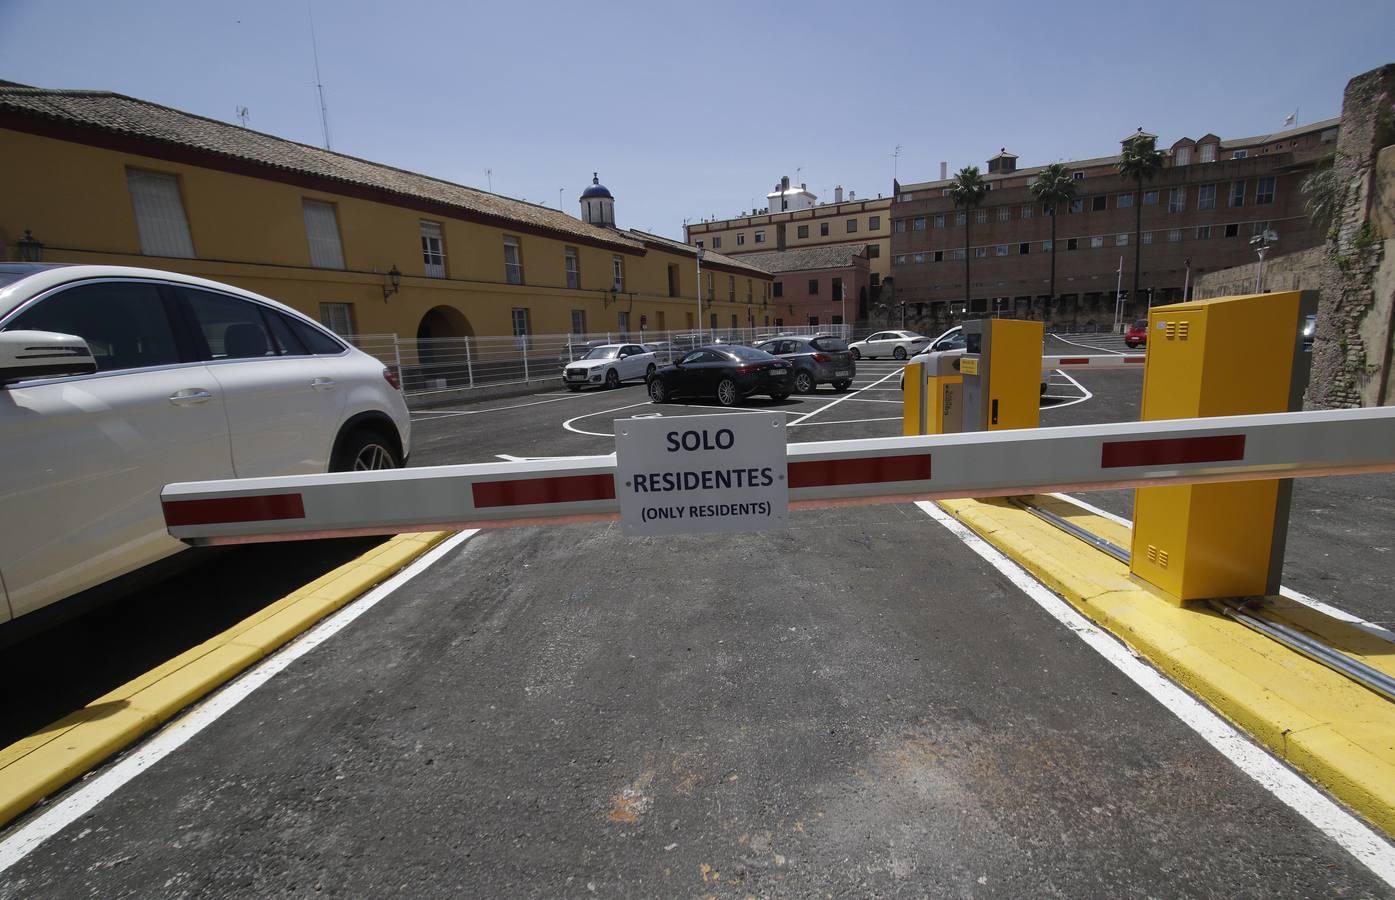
{"x": 1225, "y": 356}
{"x": 932, "y": 394}
{"x": 1002, "y": 374}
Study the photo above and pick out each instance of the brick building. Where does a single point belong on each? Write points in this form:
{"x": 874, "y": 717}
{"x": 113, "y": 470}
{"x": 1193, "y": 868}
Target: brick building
{"x": 1199, "y": 214}
{"x": 816, "y": 285}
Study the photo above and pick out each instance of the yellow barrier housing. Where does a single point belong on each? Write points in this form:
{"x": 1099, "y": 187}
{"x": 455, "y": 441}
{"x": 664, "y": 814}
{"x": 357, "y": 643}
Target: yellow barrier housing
{"x": 1002, "y": 374}
{"x": 933, "y": 389}
{"x": 1220, "y": 357}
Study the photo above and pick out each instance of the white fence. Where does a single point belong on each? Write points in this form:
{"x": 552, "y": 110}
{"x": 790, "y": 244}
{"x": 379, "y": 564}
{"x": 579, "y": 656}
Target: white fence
{"x": 427, "y": 365}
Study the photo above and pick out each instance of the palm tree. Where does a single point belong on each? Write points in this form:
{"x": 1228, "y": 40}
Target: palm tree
{"x": 967, "y": 190}
{"x": 1053, "y": 187}
{"x": 1320, "y": 195}
{"x": 1140, "y": 160}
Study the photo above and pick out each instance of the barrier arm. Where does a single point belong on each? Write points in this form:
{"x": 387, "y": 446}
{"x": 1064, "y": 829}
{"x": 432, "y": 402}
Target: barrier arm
{"x": 830, "y": 473}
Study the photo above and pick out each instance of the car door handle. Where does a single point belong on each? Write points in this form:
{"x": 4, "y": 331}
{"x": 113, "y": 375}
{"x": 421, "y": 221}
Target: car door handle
{"x": 190, "y": 397}
{"x": 323, "y": 384}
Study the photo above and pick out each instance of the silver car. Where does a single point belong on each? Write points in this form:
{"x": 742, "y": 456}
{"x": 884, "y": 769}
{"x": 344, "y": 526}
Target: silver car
{"x": 817, "y": 359}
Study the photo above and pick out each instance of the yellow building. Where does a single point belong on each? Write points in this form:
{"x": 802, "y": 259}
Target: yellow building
{"x": 97, "y": 177}
{"x": 795, "y": 220}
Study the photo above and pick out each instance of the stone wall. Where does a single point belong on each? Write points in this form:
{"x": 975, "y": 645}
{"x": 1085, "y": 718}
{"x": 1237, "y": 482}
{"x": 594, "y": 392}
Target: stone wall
{"x": 1301, "y": 271}
{"x": 1356, "y": 314}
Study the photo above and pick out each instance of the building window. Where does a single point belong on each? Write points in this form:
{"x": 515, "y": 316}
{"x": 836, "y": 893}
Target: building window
{"x": 957, "y": 253}
{"x": 1099, "y": 203}
{"x": 1232, "y": 230}
{"x": 1077, "y": 205}
{"x": 709, "y": 286}
{"x": 749, "y": 294}
{"x": 980, "y": 216}
{"x": 779, "y": 290}
{"x": 573, "y": 267}
{"x": 1177, "y": 200}
{"x": 1150, "y": 198}
{"x": 1046, "y": 246}
{"x": 617, "y": 271}
{"x": 1259, "y": 228}
{"x": 433, "y": 250}
{"x": 1147, "y": 237}
{"x": 1203, "y": 232}
{"x": 1174, "y": 235}
{"x": 852, "y": 226}
{"x": 939, "y": 256}
{"x": 1208, "y": 153}
{"x": 160, "y": 219}
{"x": 837, "y": 289}
{"x": 760, "y": 237}
{"x": 1237, "y": 193}
{"x": 898, "y": 260}
{"x": 1072, "y": 243}
{"x": 803, "y": 230}
{"x": 918, "y": 224}
{"x": 918, "y": 258}
{"x": 1206, "y": 197}
{"x": 622, "y": 321}
{"x": 874, "y": 251}
{"x": 1264, "y": 191}
{"x": 944, "y": 192}
{"x": 905, "y": 198}
{"x": 960, "y": 218}
{"x": 1023, "y": 249}
{"x": 716, "y": 242}
{"x": 578, "y": 321}
{"x": 513, "y": 261}
{"x": 1123, "y": 201}
{"x": 898, "y": 226}
{"x": 1096, "y": 242}
{"x": 939, "y": 220}
{"x": 1240, "y": 154}
{"x": 731, "y": 288}
{"x": 520, "y": 324}
{"x": 874, "y": 223}
{"x": 322, "y": 230}
{"x": 740, "y": 238}
{"x": 813, "y": 287}
{"x": 1077, "y": 176}
{"x": 876, "y": 280}
{"x": 823, "y": 229}
{"x": 980, "y": 253}
{"x": 1183, "y": 157}
{"x": 1001, "y": 250}
{"x": 1027, "y": 210}
{"x": 338, "y": 317}
{"x": 699, "y": 243}
{"x": 1003, "y": 213}
{"x": 1121, "y": 240}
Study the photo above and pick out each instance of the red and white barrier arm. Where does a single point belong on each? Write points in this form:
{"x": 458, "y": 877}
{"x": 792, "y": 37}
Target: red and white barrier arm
{"x": 830, "y": 473}
{"x": 1101, "y": 361}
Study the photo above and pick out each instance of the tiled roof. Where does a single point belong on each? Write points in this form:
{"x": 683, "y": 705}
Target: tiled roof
{"x": 833, "y": 256}
{"x": 126, "y": 116}
{"x": 709, "y": 257}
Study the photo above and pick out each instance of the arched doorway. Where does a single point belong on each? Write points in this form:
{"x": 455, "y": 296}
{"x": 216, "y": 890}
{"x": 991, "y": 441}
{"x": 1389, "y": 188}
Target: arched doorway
{"x": 442, "y": 358}
{"x": 444, "y": 322}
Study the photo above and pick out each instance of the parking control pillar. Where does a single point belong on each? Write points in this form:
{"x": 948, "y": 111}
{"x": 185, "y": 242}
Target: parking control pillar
{"x": 933, "y": 394}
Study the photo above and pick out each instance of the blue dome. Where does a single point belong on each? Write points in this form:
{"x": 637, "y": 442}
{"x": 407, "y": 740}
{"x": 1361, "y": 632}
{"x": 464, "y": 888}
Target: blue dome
{"x": 596, "y": 189}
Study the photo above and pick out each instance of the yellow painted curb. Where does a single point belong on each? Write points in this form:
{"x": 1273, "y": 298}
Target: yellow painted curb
{"x": 38, "y": 765}
{"x": 1338, "y": 733}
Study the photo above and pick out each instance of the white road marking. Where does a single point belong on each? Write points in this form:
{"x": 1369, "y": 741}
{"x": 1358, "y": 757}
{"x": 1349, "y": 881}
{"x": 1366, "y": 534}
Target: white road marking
{"x": 1088, "y": 346}
{"x": 834, "y": 403}
{"x": 446, "y": 414}
{"x": 846, "y": 421}
{"x": 1085, "y": 393}
{"x": 506, "y": 457}
{"x": 568, "y": 424}
{"x": 1370, "y": 628}
{"x": 1369, "y": 848}
{"x": 26, "y": 838}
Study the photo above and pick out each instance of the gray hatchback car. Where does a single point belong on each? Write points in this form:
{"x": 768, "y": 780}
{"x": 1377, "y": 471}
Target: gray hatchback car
{"x": 817, "y": 359}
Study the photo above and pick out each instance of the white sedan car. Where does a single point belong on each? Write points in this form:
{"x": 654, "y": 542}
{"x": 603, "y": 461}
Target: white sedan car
{"x": 896, "y": 344}
{"x": 608, "y": 365}
{"x": 116, "y": 381}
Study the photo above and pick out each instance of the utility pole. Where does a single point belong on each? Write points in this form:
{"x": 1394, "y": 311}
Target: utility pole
{"x": 1118, "y": 300}
{"x": 1186, "y": 281}
{"x": 1261, "y": 244}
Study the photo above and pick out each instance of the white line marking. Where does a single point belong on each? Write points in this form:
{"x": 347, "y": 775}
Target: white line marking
{"x": 1089, "y": 346}
{"x": 26, "y": 838}
{"x": 445, "y": 414}
{"x": 842, "y": 398}
{"x": 568, "y": 424}
{"x": 1085, "y": 393}
{"x": 875, "y": 400}
{"x": 846, "y": 421}
{"x": 1370, "y": 628}
{"x": 1369, "y": 848}
{"x": 510, "y": 458}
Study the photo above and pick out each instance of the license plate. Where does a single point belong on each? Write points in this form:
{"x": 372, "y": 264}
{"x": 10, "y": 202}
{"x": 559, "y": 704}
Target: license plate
{"x": 842, "y": 372}
{"x": 575, "y": 376}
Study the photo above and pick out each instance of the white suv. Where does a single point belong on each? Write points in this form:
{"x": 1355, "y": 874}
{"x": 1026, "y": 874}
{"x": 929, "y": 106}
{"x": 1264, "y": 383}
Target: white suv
{"x": 115, "y": 382}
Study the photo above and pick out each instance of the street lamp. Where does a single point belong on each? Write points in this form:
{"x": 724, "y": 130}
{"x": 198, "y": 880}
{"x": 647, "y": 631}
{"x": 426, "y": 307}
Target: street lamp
{"x": 395, "y": 282}
{"x": 1261, "y": 244}
{"x": 30, "y": 250}
{"x": 699, "y": 290}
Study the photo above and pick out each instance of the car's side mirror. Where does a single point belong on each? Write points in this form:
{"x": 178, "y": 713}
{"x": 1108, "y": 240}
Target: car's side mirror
{"x": 42, "y": 354}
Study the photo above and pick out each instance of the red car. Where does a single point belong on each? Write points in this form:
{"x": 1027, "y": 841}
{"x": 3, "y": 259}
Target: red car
{"x": 1137, "y": 335}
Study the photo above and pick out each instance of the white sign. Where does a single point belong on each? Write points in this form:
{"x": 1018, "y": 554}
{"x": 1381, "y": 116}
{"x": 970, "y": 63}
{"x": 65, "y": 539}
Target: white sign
{"x": 699, "y": 474}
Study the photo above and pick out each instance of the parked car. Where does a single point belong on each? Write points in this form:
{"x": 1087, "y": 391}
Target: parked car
{"x": 817, "y": 359}
{"x": 728, "y": 372}
{"x": 896, "y": 344}
{"x": 1137, "y": 335}
{"x": 664, "y": 351}
{"x": 609, "y": 365}
{"x": 151, "y": 378}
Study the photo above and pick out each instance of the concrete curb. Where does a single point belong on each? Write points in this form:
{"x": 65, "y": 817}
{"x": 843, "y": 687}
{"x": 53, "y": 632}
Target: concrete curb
{"x": 38, "y": 765}
{"x": 457, "y": 396}
{"x": 1339, "y": 734}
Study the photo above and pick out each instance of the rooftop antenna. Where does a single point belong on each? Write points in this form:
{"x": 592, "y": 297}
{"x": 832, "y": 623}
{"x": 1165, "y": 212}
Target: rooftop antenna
{"x": 559, "y": 197}
{"x": 489, "y": 173}
{"x": 242, "y": 115}
{"x": 896, "y": 162}
{"x": 319, "y": 82}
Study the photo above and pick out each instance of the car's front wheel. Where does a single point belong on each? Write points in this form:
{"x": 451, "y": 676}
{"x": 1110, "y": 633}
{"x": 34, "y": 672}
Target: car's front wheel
{"x": 899, "y": 353}
{"x": 612, "y": 379}
{"x": 727, "y": 395}
{"x": 649, "y": 372}
{"x": 365, "y": 451}
{"x": 804, "y": 383}
{"x": 658, "y": 391}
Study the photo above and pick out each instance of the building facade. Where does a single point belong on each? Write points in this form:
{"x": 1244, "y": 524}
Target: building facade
{"x": 115, "y": 180}
{"x": 817, "y": 285}
{"x": 1199, "y": 214}
{"x": 847, "y": 222}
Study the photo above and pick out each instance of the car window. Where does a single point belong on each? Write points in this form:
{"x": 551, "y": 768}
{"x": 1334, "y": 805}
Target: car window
{"x": 288, "y": 343}
{"x": 769, "y": 347}
{"x": 125, "y": 323}
{"x": 232, "y": 328}
{"x": 748, "y": 354}
{"x": 601, "y": 353}
{"x": 1141, "y": 324}
{"x": 830, "y": 344}
{"x": 632, "y": 349}
{"x": 693, "y": 357}
{"x": 315, "y": 340}
{"x": 879, "y": 336}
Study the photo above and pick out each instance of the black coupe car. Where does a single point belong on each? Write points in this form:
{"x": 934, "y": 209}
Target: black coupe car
{"x": 727, "y": 372}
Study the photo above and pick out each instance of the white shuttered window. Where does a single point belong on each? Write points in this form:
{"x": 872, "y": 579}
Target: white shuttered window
{"x": 433, "y": 250}
{"x": 322, "y": 229}
{"x": 160, "y": 219}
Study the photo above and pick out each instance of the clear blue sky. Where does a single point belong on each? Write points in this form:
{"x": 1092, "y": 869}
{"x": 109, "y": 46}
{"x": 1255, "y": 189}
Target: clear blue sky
{"x": 698, "y": 112}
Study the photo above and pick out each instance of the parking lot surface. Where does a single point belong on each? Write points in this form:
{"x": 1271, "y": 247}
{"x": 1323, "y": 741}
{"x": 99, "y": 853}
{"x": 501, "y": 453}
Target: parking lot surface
{"x": 858, "y": 706}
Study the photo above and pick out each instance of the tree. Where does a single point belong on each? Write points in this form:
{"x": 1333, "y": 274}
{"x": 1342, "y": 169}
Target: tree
{"x": 967, "y": 190}
{"x": 1141, "y": 160}
{"x": 1054, "y": 186}
{"x": 1320, "y": 195}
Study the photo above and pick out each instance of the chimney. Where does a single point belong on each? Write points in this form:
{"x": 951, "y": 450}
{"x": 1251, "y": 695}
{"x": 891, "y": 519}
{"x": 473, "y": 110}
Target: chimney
{"x": 851, "y": 195}
{"x": 785, "y": 183}
{"x": 838, "y": 194}
{"x": 803, "y": 186}
{"x": 944, "y": 170}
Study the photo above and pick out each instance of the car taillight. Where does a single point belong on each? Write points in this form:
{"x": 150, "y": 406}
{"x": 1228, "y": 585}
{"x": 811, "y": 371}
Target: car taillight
{"x": 819, "y": 357}
{"x": 391, "y": 378}
{"x": 745, "y": 370}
